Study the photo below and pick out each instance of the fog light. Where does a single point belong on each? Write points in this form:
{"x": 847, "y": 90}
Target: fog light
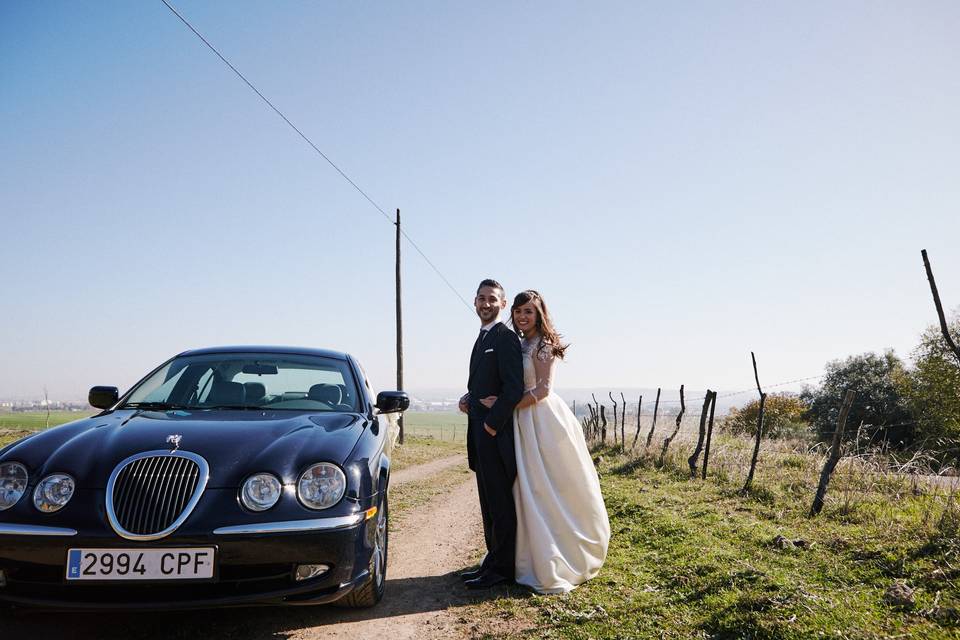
{"x": 307, "y": 571}
{"x": 3, "y": 578}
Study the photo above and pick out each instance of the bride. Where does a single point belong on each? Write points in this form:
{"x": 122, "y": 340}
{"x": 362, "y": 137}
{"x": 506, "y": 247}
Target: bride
{"x": 562, "y": 526}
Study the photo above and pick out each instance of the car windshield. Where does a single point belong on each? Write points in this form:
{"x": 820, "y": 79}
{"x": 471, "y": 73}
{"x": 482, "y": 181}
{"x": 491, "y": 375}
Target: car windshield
{"x": 249, "y": 381}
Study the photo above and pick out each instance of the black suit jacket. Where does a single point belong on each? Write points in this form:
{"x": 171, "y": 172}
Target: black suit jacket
{"x": 496, "y": 369}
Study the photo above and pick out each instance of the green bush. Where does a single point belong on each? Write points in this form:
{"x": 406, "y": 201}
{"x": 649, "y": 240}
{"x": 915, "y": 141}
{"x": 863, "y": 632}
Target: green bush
{"x": 879, "y": 404}
{"x": 783, "y": 417}
{"x": 932, "y": 389}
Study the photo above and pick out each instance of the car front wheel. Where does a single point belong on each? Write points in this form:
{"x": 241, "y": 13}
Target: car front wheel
{"x": 371, "y": 592}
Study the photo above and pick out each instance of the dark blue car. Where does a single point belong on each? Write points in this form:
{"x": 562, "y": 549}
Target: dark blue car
{"x": 227, "y": 476}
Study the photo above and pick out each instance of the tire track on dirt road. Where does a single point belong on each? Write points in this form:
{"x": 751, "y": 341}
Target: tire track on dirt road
{"x": 420, "y": 471}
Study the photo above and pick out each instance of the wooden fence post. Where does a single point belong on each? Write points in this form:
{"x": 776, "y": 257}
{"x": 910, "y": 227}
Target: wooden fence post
{"x": 706, "y": 451}
{"x": 756, "y": 445}
{"x": 834, "y": 457}
{"x": 656, "y": 407}
{"x": 936, "y": 301}
{"x": 692, "y": 460}
{"x": 610, "y": 394}
{"x": 603, "y": 425}
{"x": 636, "y": 436}
{"x": 676, "y": 430}
{"x": 623, "y": 423}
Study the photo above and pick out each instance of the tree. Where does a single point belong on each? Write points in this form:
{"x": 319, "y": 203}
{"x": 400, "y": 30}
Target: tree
{"x": 783, "y": 416}
{"x": 932, "y": 387}
{"x": 880, "y": 405}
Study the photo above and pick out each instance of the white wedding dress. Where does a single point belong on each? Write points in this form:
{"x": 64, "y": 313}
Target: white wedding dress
{"x": 562, "y": 525}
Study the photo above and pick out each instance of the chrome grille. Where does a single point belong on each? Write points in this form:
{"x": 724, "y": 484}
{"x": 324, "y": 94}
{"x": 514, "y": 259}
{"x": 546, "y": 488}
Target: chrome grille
{"x": 150, "y": 494}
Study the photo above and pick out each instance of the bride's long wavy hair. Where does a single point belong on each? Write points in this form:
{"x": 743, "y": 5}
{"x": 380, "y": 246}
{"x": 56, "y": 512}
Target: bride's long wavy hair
{"x": 551, "y": 339}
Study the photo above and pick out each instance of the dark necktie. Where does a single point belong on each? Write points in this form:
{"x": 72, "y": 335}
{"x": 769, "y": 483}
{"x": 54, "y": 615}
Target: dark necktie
{"x": 476, "y": 345}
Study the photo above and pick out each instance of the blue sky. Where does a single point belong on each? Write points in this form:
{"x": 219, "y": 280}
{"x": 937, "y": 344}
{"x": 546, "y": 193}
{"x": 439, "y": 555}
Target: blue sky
{"x": 684, "y": 182}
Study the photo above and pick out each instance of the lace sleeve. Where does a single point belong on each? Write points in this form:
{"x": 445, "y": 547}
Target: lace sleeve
{"x": 543, "y": 365}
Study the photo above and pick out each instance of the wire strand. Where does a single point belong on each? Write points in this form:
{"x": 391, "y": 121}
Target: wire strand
{"x": 316, "y": 148}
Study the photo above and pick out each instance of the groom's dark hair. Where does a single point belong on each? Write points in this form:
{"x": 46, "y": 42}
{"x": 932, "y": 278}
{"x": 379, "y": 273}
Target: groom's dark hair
{"x": 493, "y": 284}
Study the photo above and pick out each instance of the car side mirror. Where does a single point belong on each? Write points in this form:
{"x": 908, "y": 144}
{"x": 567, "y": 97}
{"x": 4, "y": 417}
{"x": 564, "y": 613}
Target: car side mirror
{"x": 392, "y": 401}
{"x": 103, "y": 397}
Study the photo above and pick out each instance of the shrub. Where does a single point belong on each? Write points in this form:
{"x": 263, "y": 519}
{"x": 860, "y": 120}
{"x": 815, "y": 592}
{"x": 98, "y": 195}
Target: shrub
{"x": 932, "y": 388}
{"x": 783, "y": 417}
{"x": 879, "y": 405}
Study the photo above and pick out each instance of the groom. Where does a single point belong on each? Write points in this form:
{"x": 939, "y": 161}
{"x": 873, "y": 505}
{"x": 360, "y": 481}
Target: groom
{"x": 496, "y": 369}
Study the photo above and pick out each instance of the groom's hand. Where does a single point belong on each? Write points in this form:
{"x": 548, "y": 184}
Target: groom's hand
{"x": 489, "y": 430}
{"x": 464, "y": 405}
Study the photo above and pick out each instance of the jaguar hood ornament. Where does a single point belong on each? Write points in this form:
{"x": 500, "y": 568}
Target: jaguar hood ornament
{"x": 175, "y": 441}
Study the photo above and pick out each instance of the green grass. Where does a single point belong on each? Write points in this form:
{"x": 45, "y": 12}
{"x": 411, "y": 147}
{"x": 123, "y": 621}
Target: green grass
{"x": 694, "y": 559}
{"x": 16, "y": 425}
{"x": 33, "y": 420}
{"x": 418, "y": 449}
{"x": 440, "y": 425}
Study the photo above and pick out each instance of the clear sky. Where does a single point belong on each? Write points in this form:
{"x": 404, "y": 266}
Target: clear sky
{"x": 684, "y": 182}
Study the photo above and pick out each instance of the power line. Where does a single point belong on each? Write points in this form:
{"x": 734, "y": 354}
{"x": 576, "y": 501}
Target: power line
{"x": 317, "y": 149}
{"x": 771, "y": 386}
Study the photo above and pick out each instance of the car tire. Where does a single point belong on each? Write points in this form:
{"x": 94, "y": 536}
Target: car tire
{"x": 371, "y": 592}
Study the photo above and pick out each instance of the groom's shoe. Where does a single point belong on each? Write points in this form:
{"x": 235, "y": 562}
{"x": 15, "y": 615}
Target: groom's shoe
{"x": 486, "y": 580}
{"x": 471, "y": 574}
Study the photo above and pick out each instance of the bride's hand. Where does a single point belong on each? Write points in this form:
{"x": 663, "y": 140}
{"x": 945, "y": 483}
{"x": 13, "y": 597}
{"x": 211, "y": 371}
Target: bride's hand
{"x": 488, "y": 401}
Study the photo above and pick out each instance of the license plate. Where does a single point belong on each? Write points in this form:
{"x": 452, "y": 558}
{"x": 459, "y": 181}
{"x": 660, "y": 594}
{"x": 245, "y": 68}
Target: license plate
{"x": 193, "y": 563}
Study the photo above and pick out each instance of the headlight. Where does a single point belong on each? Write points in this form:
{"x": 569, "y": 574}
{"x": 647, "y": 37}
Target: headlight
{"x": 260, "y": 492}
{"x": 321, "y": 486}
{"x": 53, "y": 492}
{"x": 13, "y": 483}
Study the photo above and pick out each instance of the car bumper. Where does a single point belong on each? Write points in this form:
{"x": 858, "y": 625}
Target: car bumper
{"x": 252, "y": 568}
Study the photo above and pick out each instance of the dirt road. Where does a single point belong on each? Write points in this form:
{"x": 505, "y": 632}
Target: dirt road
{"x": 424, "y": 595}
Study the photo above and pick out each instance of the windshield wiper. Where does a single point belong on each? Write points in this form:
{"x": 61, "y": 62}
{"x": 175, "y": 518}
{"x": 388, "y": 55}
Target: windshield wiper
{"x": 231, "y": 406}
{"x": 152, "y": 406}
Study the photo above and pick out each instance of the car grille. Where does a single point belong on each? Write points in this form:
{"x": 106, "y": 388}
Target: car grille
{"x": 152, "y": 494}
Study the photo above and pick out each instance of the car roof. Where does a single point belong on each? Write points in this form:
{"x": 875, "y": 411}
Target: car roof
{"x": 306, "y": 351}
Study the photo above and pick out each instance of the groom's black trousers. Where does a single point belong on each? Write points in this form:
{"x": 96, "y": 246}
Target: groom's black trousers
{"x": 496, "y": 471}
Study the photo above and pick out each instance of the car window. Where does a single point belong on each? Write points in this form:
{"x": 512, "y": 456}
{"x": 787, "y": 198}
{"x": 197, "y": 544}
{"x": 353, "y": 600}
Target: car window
{"x": 289, "y": 379}
{"x": 255, "y": 381}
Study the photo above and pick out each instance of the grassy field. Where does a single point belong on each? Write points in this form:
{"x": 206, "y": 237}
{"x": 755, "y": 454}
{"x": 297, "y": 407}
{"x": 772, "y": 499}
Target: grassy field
{"x": 32, "y": 420}
{"x": 420, "y": 449}
{"x": 425, "y": 421}
{"x": 440, "y": 425}
{"x": 695, "y": 559}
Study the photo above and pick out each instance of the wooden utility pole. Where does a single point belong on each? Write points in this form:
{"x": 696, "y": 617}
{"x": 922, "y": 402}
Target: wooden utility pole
{"x": 399, "y": 329}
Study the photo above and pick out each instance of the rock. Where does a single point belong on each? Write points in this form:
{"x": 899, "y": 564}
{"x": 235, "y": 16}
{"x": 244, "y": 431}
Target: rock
{"x": 947, "y": 614}
{"x": 803, "y": 544}
{"x": 900, "y": 594}
{"x": 781, "y": 542}
{"x": 598, "y": 461}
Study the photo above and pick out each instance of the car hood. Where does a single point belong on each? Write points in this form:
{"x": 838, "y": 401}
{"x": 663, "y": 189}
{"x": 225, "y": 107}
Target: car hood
{"x": 234, "y": 443}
